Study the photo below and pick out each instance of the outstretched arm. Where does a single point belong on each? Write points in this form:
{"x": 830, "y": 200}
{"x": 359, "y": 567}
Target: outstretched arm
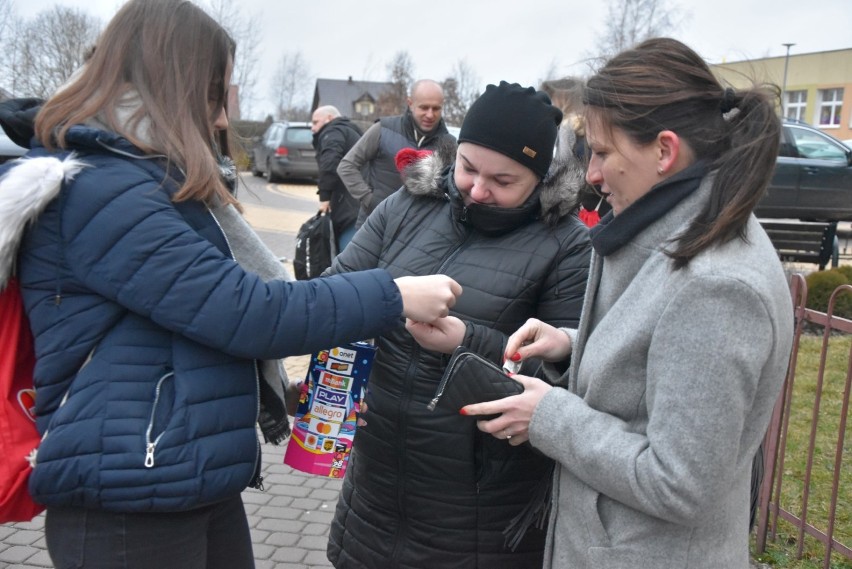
{"x": 350, "y": 165}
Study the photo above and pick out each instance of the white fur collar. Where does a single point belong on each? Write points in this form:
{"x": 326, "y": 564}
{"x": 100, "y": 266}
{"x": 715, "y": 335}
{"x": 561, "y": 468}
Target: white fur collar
{"x": 25, "y": 190}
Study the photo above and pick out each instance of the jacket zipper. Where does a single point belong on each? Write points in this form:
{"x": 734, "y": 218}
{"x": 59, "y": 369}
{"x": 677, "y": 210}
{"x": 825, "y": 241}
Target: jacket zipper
{"x": 401, "y": 457}
{"x": 151, "y": 446}
{"x": 454, "y": 253}
{"x": 32, "y": 458}
{"x": 404, "y": 402}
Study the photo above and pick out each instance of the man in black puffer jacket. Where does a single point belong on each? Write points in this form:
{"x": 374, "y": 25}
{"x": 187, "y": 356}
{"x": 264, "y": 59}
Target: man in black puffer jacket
{"x": 334, "y": 136}
{"x": 426, "y": 489}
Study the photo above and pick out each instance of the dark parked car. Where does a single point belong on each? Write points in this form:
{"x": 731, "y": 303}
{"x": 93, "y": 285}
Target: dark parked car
{"x": 813, "y": 177}
{"x": 285, "y": 151}
{"x": 8, "y": 149}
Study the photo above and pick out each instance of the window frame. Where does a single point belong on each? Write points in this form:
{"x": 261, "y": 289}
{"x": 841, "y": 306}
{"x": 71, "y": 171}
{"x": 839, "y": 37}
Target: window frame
{"x": 799, "y": 106}
{"x": 835, "y": 104}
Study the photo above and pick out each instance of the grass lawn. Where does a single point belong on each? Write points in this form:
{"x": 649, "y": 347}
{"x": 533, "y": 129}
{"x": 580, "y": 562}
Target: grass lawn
{"x": 782, "y": 551}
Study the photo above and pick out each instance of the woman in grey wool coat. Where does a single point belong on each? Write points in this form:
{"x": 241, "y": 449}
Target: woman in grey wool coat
{"x": 686, "y": 328}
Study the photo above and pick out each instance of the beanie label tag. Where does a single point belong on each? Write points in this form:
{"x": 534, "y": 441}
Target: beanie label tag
{"x": 529, "y": 152}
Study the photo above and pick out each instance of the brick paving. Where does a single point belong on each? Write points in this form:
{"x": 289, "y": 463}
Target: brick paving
{"x": 289, "y": 520}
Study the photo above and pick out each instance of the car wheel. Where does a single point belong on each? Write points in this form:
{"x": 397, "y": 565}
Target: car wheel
{"x": 270, "y": 175}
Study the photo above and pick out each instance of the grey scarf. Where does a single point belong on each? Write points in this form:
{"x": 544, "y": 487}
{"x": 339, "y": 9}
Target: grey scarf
{"x": 255, "y": 257}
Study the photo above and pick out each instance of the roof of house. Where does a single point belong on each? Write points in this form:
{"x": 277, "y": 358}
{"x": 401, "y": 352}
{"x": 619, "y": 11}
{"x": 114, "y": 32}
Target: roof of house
{"x": 343, "y": 93}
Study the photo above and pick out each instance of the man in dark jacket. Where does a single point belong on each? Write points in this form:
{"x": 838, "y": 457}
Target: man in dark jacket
{"x": 369, "y": 171}
{"x": 334, "y": 136}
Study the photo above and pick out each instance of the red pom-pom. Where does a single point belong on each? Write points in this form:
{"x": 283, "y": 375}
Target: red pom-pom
{"x": 407, "y": 156}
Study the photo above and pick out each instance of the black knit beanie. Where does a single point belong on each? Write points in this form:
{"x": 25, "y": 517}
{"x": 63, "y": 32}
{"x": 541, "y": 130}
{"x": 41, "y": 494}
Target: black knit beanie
{"x": 519, "y": 122}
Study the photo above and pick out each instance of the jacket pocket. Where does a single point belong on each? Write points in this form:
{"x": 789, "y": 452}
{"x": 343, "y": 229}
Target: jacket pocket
{"x": 161, "y": 412}
{"x": 587, "y": 500}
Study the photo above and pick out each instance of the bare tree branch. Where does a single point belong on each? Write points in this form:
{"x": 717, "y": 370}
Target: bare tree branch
{"x": 50, "y": 48}
{"x": 289, "y": 82}
{"x": 401, "y": 72}
{"x": 9, "y": 23}
{"x": 242, "y": 28}
{"x": 461, "y": 89}
{"x": 630, "y": 22}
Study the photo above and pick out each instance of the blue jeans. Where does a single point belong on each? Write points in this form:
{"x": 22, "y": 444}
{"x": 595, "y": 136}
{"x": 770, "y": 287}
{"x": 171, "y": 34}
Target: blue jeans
{"x": 212, "y": 537}
{"x": 345, "y": 237}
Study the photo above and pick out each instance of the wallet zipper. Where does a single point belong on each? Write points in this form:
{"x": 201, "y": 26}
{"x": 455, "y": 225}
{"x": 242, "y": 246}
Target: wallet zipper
{"x": 442, "y": 386}
{"x": 449, "y": 372}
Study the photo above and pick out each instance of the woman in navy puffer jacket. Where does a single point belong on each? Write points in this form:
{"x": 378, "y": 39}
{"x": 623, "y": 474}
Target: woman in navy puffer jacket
{"x": 144, "y": 292}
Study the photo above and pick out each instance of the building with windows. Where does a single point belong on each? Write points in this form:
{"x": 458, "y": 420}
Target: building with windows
{"x": 354, "y": 99}
{"x": 818, "y": 89}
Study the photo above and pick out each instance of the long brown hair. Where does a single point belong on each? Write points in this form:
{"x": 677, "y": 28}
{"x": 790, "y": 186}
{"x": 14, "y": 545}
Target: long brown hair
{"x": 662, "y": 84}
{"x": 175, "y": 58}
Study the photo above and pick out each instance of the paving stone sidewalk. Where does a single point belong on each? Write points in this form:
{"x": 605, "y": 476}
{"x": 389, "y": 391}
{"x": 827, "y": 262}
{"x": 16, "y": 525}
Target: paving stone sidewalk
{"x": 289, "y": 521}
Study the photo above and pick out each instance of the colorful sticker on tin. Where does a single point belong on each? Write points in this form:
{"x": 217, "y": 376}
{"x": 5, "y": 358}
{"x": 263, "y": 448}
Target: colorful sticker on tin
{"x": 326, "y": 419}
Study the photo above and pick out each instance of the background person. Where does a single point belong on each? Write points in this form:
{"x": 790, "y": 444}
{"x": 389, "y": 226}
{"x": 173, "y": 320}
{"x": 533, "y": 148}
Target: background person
{"x": 426, "y": 489}
{"x": 686, "y": 328}
{"x": 567, "y": 94}
{"x": 369, "y": 170}
{"x": 149, "y": 320}
{"x": 334, "y": 136}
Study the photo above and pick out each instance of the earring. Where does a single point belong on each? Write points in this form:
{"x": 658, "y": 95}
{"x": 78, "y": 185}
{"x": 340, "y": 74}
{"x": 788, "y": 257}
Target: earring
{"x": 660, "y": 171}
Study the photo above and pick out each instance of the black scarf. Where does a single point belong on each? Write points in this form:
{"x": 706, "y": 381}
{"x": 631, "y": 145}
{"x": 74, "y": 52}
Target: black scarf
{"x": 490, "y": 220}
{"x": 615, "y": 231}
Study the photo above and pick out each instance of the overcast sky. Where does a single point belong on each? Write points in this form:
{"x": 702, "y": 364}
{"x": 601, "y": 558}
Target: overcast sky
{"x": 519, "y": 41}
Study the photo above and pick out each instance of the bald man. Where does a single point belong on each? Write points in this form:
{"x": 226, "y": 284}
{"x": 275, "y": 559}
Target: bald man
{"x": 334, "y": 136}
{"x": 369, "y": 170}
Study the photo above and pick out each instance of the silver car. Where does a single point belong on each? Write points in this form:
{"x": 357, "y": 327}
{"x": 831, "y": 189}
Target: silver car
{"x": 285, "y": 151}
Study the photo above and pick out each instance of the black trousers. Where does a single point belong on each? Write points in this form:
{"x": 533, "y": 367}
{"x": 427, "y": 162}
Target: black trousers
{"x": 213, "y": 537}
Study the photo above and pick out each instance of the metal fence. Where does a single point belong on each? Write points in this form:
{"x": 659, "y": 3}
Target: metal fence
{"x": 775, "y": 444}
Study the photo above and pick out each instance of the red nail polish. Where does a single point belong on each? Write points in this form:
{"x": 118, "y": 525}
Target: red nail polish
{"x": 462, "y": 411}
{"x": 516, "y": 357}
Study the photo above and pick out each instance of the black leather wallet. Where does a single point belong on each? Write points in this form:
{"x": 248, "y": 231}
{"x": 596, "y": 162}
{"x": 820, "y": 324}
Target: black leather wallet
{"x": 470, "y": 378}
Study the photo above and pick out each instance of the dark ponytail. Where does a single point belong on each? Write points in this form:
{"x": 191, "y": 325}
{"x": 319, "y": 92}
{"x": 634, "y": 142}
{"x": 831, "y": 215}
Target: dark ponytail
{"x": 662, "y": 84}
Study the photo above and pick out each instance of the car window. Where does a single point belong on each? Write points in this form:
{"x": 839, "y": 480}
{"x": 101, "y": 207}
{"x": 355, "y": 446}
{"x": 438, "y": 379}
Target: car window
{"x": 296, "y": 135}
{"x": 788, "y": 145}
{"x": 270, "y": 134}
{"x": 812, "y": 144}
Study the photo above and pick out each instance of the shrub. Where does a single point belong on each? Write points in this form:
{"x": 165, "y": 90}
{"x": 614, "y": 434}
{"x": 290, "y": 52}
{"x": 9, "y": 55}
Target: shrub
{"x": 243, "y": 135}
{"x": 821, "y": 285}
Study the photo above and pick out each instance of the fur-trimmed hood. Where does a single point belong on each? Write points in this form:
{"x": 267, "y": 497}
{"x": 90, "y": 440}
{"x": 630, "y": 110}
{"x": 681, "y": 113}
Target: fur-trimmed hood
{"x": 559, "y": 191}
{"x": 25, "y": 190}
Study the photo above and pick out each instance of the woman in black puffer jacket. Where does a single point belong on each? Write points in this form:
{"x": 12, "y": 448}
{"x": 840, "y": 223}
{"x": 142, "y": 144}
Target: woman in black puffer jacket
{"x": 426, "y": 488}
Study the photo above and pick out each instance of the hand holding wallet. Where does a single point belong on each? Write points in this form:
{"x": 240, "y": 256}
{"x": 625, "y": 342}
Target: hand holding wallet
{"x": 470, "y": 378}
